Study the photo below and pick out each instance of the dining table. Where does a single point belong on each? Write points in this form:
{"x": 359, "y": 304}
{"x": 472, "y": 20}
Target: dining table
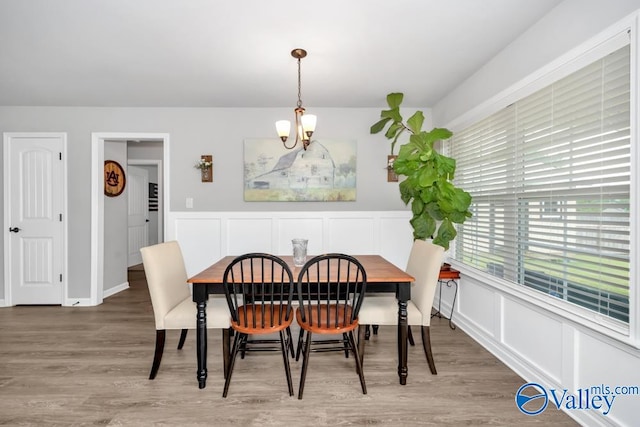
{"x": 382, "y": 276}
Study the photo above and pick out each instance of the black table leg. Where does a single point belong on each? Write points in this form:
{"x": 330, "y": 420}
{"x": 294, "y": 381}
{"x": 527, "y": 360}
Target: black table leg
{"x": 201, "y": 342}
{"x": 403, "y": 370}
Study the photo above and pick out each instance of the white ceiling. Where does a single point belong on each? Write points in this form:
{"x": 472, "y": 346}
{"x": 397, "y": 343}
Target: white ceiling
{"x": 236, "y": 53}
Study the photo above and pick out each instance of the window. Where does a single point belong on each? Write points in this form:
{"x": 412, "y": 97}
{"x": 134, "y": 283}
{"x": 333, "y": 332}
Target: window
{"x": 550, "y": 180}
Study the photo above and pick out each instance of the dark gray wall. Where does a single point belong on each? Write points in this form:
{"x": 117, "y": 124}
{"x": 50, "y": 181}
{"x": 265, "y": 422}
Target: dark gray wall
{"x": 196, "y": 131}
{"x": 115, "y": 225}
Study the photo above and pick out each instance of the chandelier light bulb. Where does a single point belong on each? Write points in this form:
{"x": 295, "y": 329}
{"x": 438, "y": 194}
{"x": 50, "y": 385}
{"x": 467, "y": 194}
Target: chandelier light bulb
{"x": 308, "y": 123}
{"x": 283, "y": 127}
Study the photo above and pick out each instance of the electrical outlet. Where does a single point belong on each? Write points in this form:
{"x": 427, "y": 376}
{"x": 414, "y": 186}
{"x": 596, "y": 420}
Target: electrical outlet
{"x": 189, "y": 202}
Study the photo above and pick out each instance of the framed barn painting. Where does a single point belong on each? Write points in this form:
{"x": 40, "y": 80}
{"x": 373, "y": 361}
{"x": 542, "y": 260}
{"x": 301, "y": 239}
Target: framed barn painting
{"x": 324, "y": 172}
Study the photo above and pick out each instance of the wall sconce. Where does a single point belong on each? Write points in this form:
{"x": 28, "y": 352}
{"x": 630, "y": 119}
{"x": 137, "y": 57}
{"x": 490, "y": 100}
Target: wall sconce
{"x": 391, "y": 174}
{"x": 206, "y": 167}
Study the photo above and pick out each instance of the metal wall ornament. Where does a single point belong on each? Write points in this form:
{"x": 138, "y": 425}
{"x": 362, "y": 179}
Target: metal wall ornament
{"x": 114, "y": 178}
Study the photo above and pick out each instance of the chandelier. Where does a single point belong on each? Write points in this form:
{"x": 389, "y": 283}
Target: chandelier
{"x": 305, "y": 123}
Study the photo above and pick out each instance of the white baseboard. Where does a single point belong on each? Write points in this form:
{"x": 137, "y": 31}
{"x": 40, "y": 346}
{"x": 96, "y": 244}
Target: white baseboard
{"x": 525, "y": 370}
{"x": 78, "y": 302}
{"x": 116, "y": 289}
{"x": 68, "y": 302}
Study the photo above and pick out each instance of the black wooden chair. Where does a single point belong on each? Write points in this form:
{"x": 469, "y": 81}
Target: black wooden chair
{"x": 259, "y": 289}
{"x": 330, "y": 290}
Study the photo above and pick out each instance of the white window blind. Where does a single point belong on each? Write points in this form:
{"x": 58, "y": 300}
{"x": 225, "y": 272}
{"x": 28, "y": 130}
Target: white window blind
{"x": 550, "y": 180}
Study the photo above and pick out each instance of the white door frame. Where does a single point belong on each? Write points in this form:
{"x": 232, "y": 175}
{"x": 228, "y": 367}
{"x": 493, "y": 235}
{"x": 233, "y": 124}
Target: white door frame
{"x": 97, "y": 199}
{"x": 158, "y": 164}
{"x": 7, "y": 211}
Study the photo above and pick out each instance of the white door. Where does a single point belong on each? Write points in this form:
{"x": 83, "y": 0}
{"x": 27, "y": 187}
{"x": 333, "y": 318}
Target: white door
{"x": 138, "y": 199}
{"x": 35, "y": 171}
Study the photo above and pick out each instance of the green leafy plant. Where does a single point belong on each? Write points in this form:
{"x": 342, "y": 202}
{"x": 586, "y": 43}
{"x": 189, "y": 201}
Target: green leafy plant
{"x": 429, "y": 174}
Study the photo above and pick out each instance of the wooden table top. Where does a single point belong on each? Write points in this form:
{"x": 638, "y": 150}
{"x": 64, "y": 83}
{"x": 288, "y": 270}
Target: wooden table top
{"x": 378, "y": 269}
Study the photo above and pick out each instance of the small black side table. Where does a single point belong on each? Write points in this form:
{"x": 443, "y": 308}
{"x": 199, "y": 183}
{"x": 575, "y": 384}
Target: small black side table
{"x": 448, "y": 277}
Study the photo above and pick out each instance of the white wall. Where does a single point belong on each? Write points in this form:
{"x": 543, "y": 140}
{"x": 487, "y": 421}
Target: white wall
{"x": 570, "y": 24}
{"x": 144, "y": 150}
{"x": 539, "y": 342}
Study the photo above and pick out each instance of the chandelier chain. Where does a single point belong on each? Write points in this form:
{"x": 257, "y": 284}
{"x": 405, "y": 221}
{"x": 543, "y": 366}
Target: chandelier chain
{"x": 299, "y": 86}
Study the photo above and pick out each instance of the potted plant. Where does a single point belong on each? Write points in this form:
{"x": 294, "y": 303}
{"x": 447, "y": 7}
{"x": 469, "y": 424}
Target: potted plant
{"x": 436, "y": 203}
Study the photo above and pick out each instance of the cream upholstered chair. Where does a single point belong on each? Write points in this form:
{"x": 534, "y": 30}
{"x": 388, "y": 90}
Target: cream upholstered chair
{"x": 424, "y": 265}
{"x": 171, "y": 299}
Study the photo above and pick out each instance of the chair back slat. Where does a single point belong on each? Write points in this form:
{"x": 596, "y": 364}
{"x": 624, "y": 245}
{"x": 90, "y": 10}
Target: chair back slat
{"x": 330, "y": 290}
{"x": 259, "y": 289}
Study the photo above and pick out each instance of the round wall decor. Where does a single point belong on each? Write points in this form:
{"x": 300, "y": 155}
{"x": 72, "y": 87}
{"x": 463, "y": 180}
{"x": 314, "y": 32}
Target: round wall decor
{"x": 114, "y": 179}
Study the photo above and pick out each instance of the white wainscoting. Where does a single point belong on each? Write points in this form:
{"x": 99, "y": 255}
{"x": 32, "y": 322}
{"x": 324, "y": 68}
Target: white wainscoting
{"x": 205, "y": 237}
{"x": 544, "y": 347}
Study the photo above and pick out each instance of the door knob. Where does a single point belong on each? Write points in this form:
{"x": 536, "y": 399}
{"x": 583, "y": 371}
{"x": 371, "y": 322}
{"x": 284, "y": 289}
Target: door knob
{"x": 14, "y": 229}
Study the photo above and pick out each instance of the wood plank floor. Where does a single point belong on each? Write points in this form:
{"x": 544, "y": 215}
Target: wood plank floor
{"x": 64, "y": 366}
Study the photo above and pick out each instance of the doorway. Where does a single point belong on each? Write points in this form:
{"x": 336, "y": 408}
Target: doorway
{"x": 137, "y": 213}
{"x": 156, "y": 202}
{"x": 97, "y": 198}
{"x": 151, "y": 203}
